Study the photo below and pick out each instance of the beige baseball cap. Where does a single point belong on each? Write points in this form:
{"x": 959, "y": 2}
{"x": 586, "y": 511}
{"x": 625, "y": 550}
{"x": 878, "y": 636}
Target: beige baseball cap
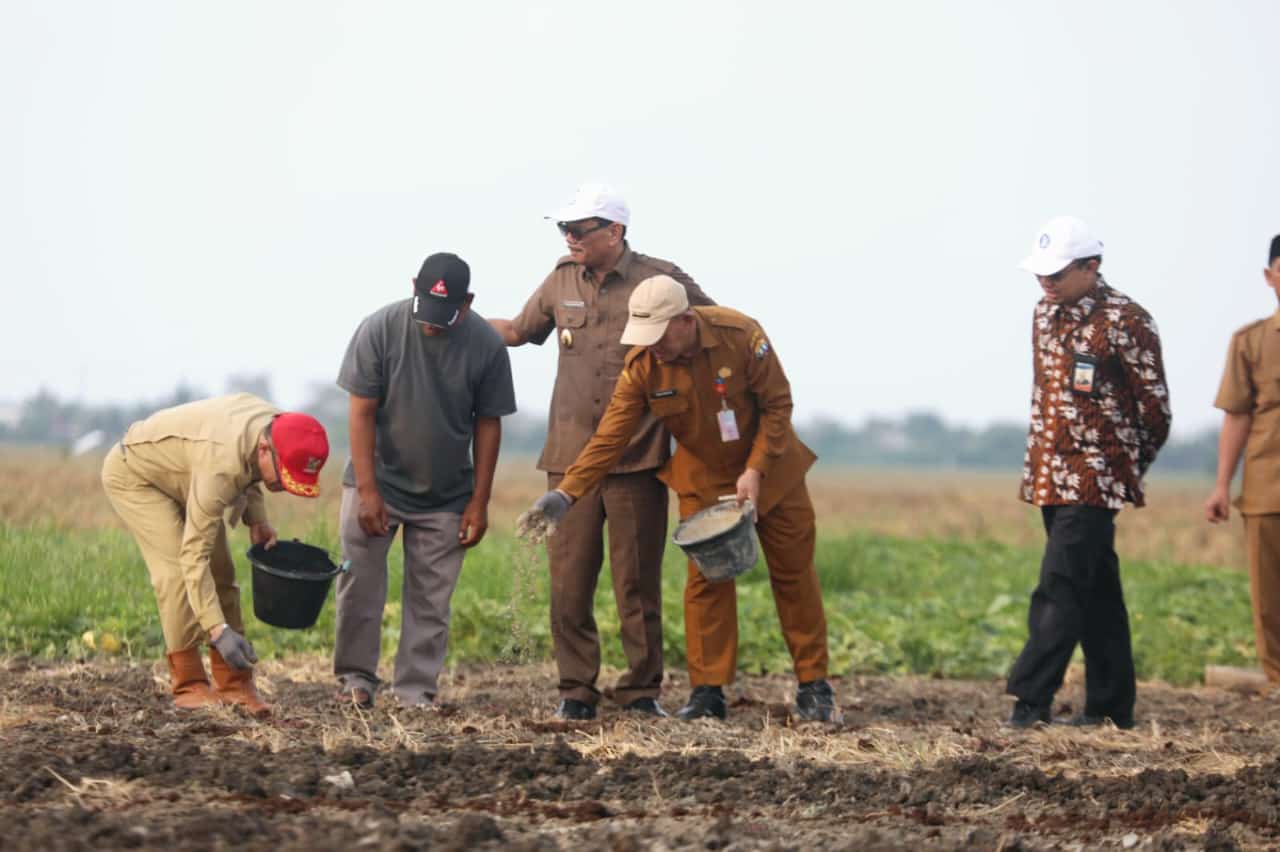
{"x": 654, "y": 303}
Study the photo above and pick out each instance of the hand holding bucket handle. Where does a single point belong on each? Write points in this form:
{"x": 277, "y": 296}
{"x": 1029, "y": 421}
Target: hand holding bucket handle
{"x": 748, "y": 508}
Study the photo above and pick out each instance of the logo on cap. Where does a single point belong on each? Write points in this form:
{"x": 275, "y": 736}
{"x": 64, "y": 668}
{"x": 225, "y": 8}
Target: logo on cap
{"x": 1044, "y": 241}
{"x": 313, "y": 464}
{"x": 640, "y": 315}
{"x": 440, "y": 290}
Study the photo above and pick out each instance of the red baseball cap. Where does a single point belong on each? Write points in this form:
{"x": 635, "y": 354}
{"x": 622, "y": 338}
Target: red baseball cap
{"x": 301, "y": 450}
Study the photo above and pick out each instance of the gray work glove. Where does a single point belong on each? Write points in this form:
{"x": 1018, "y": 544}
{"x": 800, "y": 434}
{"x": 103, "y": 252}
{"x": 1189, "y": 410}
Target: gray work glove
{"x": 235, "y": 649}
{"x": 553, "y": 505}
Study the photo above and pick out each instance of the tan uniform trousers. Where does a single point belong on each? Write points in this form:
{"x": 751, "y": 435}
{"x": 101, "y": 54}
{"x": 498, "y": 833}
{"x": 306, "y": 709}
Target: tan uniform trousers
{"x": 635, "y": 507}
{"x": 787, "y": 536}
{"x": 1262, "y": 533}
{"x": 156, "y": 522}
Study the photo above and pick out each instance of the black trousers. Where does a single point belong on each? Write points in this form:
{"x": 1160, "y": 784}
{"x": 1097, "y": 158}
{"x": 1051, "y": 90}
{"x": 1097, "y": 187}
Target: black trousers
{"x": 1078, "y": 599}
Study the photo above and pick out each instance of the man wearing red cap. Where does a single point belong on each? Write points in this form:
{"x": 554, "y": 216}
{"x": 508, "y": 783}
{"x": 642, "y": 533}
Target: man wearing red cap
{"x": 171, "y": 479}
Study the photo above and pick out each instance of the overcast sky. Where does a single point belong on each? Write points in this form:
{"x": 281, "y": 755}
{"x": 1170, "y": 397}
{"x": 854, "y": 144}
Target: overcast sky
{"x": 189, "y": 190}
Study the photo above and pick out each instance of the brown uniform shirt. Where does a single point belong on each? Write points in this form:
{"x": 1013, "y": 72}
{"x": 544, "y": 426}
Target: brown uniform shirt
{"x": 203, "y": 456}
{"x": 1251, "y": 385}
{"x": 1094, "y": 429}
{"x": 683, "y": 396}
{"x": 588, "y": 317}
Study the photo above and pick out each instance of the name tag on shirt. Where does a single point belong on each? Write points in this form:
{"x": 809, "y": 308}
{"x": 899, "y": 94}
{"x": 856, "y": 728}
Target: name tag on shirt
{"x": 663, "y": 394}
{"x": 571, "y": 303}
{"x": 728, "y": 424}
{"x": 1083, "y": 372}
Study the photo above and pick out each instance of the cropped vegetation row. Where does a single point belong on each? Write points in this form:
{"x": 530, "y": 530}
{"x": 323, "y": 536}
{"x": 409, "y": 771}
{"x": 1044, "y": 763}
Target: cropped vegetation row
{"x": 894, "y": 606}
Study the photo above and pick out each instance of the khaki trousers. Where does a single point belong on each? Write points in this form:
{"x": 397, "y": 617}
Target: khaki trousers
{"x": 156, "y": 522}
{"x": 787, "y": 537}
{"x": 1262, "y": 534}
{"x": 635, "y": 507}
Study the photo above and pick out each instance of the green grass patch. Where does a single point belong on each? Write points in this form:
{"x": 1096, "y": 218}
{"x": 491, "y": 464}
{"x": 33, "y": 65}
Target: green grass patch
{"x": 945, "y": 608}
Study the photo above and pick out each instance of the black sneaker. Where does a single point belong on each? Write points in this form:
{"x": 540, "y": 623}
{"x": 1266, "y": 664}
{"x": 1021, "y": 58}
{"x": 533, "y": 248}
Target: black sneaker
{"x": 704, "y": 702}
{"x": 815, "y": 702}
{"x": 1026, "y": 715}
{"x": 648, "y": 706}
{"x": 1094, "y": 720}
{"x": 575, "y": 711}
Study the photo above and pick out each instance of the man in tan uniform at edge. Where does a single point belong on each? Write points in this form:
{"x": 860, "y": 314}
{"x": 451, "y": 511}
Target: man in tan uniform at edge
{"x": 171, "y": 479}
{"x": 1249, "y": 397}
{"x": 710, "y": 375}
{"x": 584, "y": 301}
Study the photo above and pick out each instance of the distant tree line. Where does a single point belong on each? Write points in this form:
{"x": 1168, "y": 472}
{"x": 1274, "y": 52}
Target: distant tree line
{"x": 919, "y": 439}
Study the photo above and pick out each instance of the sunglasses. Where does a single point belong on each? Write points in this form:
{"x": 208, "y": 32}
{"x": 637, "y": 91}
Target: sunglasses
{"x": 578, "y": 230}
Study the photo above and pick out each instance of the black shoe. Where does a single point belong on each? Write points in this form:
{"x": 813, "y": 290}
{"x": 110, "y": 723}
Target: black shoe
{"x": 1093, "y": 720}
{"x": 574, "y": 710}
{"x": 648, "y": 706}
{"x": 1027, "y": 715}
{"x": 815, "y": 702}
{"x": 704, "y": 702}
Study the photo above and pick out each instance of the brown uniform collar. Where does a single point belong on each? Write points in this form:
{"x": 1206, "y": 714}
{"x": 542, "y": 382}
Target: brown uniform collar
{"x": 620, "y": 269}
{"x": 708, "y": 335}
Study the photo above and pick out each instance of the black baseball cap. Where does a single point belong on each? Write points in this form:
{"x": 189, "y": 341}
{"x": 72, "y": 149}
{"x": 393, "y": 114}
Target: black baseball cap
{"x": 440, "y": 289}
{"x": 1275, "y": 249}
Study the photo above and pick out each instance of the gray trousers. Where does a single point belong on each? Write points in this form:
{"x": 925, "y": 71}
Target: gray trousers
{"x": 432, "y": 563}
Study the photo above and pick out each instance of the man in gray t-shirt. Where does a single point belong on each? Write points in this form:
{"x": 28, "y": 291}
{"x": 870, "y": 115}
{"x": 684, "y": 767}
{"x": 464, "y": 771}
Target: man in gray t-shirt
{"x": 426, "y": 377}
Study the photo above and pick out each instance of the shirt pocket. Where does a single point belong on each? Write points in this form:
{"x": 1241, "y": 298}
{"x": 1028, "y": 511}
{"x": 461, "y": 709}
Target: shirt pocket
{"x": 671, "y": 410}
{"x": 569, "y": 324}
{"x": 1267, "y": 393}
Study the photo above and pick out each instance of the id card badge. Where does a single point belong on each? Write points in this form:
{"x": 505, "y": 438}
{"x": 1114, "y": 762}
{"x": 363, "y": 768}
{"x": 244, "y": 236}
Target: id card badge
{"x": 1084, "y": 372}
{"x": 728, "y": 424}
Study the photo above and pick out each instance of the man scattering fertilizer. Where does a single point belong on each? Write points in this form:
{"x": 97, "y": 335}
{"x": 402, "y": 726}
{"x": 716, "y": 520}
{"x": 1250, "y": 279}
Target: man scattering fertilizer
{"x": 711, "y": 376}
{"x": 171, "y": 478}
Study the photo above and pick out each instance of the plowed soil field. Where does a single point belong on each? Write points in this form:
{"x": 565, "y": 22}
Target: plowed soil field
{"x": 93, "y": 757}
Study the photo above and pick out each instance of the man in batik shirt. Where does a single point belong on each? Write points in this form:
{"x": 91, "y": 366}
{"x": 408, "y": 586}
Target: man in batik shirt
{"x": 1099, "y": 413}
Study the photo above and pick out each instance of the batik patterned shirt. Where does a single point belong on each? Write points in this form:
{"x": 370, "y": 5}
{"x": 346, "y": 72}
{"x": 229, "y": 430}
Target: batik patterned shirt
{"x": 1099, "y": 405}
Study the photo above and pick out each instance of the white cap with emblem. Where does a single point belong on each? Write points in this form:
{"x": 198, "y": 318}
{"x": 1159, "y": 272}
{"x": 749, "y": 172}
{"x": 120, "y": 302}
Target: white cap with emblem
{"x": 1059, "y": 242}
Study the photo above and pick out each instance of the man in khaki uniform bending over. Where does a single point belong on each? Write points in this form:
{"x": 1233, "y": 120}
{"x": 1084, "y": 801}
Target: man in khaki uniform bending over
{"x": 1249, "y": 397}
{"x": 171, "y": 479}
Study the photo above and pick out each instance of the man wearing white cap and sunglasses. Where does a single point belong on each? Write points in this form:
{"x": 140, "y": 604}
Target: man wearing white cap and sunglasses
{"x": 584, "y": 302}
{"x": 1099, "y": 414}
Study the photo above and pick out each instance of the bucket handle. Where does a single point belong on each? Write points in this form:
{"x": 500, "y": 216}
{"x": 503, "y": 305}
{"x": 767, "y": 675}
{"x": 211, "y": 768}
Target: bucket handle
{"x": 748, "y": 508}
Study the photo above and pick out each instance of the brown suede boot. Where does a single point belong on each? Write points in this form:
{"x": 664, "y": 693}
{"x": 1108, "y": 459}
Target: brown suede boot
{"x": 191, "y": 689}
{"x": 235, "y": 686}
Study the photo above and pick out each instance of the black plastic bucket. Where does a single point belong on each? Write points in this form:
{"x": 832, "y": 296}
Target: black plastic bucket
{"x": 290, "y": 583}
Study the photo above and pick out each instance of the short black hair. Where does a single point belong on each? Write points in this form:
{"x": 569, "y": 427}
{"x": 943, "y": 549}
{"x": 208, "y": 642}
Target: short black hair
{"x": 1275, "y": 249}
